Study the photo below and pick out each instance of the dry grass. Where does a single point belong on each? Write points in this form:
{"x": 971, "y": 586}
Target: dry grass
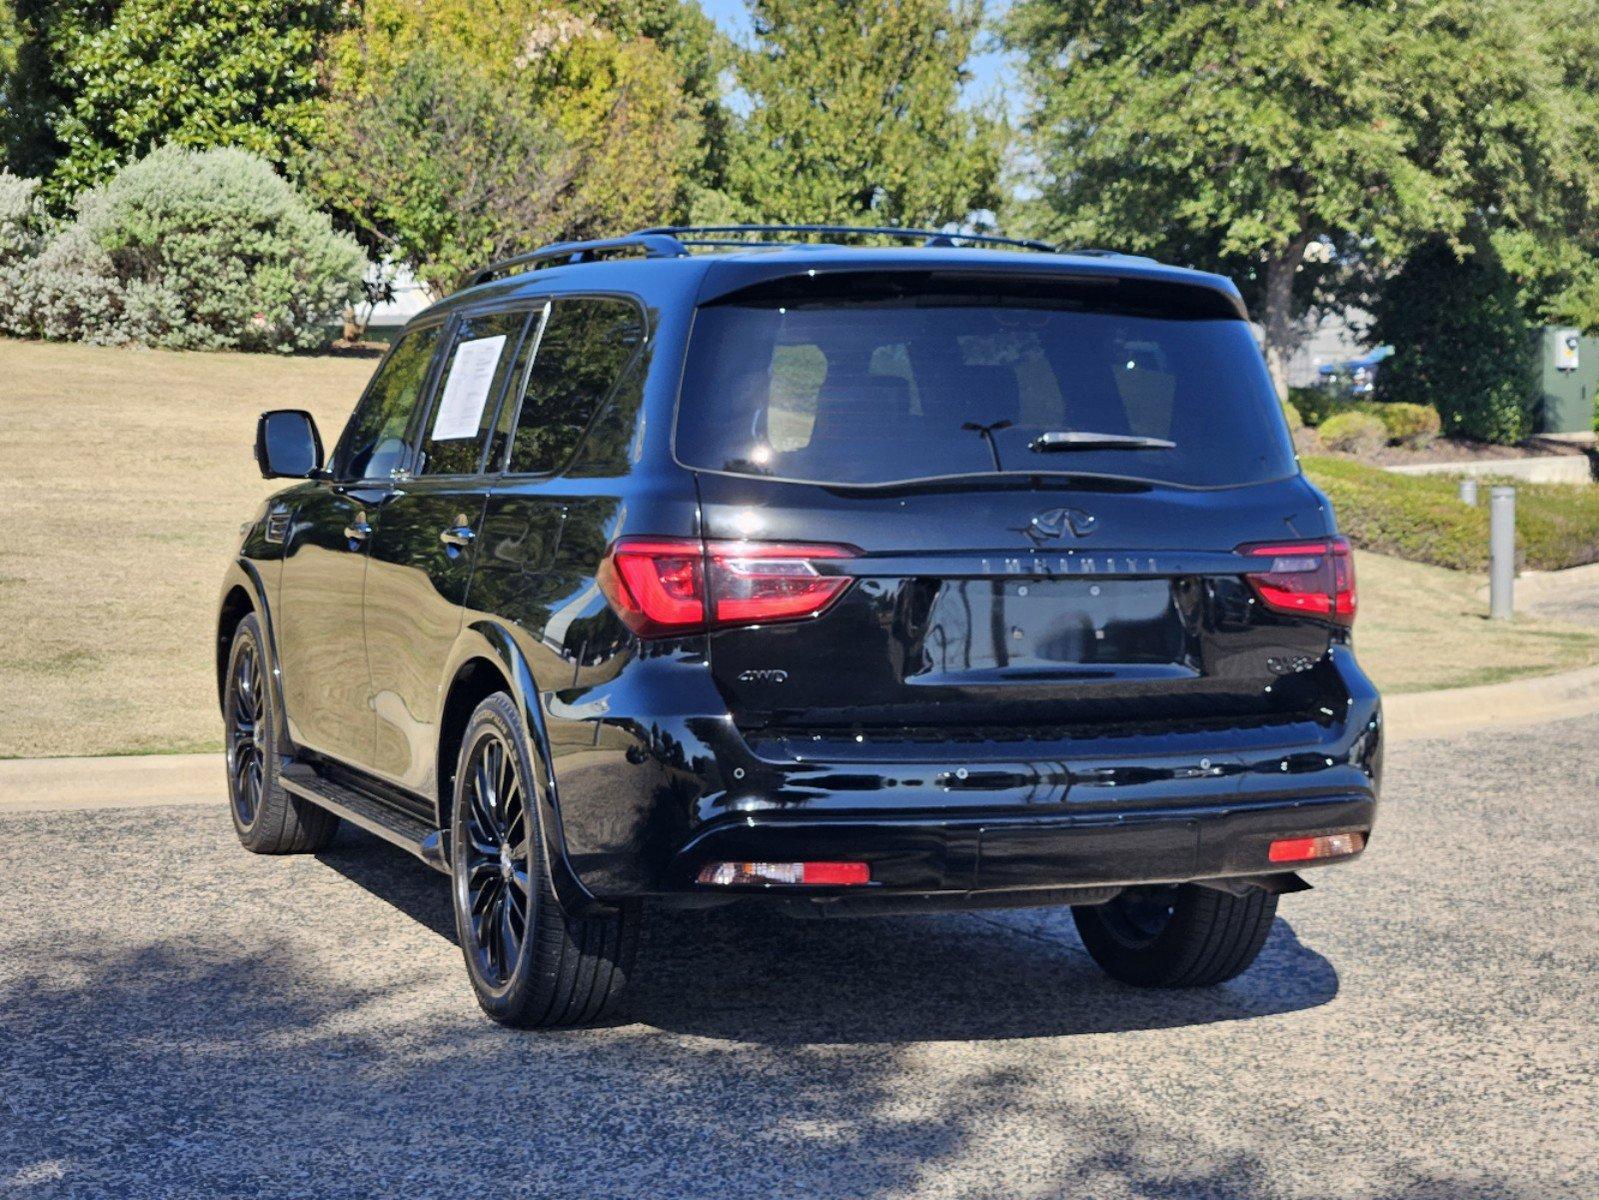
{"x": 1423, "y": 627}
{"x": 124, "y": 478}
{"x": 125, "y": 475}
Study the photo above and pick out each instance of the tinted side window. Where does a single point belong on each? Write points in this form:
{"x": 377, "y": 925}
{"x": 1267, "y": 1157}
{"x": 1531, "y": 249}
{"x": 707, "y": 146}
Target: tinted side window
{"x": 374, "y": 441}
{"x": 586, "y": 345}
{"x": 473, "y": 375}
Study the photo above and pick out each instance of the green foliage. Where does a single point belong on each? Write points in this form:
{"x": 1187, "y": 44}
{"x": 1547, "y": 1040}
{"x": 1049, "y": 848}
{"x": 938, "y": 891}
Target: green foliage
{"x": 21, "y": 218}
{"x": 1235, "y": 135}
{"x": 1291, "y": 414}
{"x": 1353, "y": 432}
{"x": 1461, "y": 343}
{"x": 1409, "y": 424}
{"x": 1317, "y": 404}
{"x": 124, "y": 78}
{"x": 699, "y": 52}
{"x": 10, "y": 39}
{"x": 854, "y": 115}
{"x": 453, "y": 140}
{"x": 1420, "y": 517}
{"x": 185, "y": 249}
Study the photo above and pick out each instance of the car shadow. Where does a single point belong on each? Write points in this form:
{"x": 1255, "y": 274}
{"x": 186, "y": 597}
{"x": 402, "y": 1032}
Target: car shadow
{"x": 749, "y": 974}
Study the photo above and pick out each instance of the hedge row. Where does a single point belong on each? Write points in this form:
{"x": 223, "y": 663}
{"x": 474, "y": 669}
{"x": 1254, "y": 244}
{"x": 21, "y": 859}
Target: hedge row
{"x": 1421, "y": 518}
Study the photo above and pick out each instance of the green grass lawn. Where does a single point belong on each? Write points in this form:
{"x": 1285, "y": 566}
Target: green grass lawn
{"x": 125, "y": 475}
{"x": 1421, "y": 518}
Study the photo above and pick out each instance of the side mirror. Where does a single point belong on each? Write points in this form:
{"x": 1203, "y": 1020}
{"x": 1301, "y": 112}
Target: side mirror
{"x": 287, "y": 445}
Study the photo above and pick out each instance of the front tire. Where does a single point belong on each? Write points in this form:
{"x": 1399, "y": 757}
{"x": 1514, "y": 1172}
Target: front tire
{"x": 267, "y": 819}
{"x": 1176, "y": 937}
{"x": 530, "y": 963}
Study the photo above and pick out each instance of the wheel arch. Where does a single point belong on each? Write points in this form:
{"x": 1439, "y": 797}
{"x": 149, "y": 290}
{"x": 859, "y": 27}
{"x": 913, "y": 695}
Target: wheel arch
{"x": 243, "y": 593}
{"x": 487, "y": 657}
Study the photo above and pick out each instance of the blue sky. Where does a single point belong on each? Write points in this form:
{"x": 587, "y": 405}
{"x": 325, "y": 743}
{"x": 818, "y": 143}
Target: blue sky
{"x": 987, "y": 68}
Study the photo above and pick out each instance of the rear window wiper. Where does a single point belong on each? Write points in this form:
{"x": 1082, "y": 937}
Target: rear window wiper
{"x": 1077, "y": 439}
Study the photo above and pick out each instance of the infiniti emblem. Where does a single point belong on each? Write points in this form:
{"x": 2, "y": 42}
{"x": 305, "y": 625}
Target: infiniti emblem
{"x": 1055, "y": 523}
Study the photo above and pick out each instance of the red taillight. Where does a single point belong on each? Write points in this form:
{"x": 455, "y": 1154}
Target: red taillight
{"x": 664, "y": 586}
{"x": 1307, "y": 578}
{"x": 656, "y": 587}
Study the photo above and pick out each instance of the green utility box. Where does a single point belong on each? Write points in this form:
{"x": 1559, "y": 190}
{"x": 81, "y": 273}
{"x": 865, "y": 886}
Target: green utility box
{"x": 1568, "y": 381}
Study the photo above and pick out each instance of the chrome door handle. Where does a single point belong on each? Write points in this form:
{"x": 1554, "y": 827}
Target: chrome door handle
{"x": 358, "y": 532}
{"x": 458, "y": 536}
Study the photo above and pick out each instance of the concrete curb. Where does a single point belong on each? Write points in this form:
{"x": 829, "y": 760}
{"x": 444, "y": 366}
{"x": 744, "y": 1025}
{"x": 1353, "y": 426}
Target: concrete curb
{"x": 124, "y": 781}
{"x": 141, "y": 781}
{"x": 1492, "y": 706}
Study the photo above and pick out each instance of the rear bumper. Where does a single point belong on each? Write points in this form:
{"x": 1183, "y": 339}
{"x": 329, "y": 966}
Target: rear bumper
{"x": 999, "y": 853}
{"x": 967, "y": 817}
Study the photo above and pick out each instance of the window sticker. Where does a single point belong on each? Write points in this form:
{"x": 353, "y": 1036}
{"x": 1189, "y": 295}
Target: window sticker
{"x": 466, "y": 391}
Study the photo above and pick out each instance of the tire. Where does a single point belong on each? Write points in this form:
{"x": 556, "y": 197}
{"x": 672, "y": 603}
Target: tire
{"x": 531, "y": 964}
{"x": 1177, "y": 937}
{"x": 267, "y": 819}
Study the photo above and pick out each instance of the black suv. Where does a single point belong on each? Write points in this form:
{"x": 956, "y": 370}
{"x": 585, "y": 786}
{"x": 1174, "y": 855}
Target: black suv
{"x": 708, "y": 565}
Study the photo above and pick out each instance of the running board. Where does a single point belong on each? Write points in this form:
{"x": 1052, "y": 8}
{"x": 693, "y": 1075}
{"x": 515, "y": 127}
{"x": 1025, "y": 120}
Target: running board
{"x": 361, "y": 810}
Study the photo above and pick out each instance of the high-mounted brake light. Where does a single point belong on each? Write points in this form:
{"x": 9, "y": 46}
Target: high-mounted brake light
{"x": 666, "y": 586}
{"x": 1307, "y": 578}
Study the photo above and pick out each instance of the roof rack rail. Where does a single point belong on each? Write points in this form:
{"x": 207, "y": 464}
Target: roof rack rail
{"x": 736, "y": 235}
{"x": 1092, "y": 252}
{"x": 654, "y": 243}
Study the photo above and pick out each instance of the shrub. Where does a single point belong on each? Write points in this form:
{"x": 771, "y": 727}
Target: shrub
{"x": 21, "y": 217}
{"x": 188, "y": 249}
{"x": 1462, "y": 342}
{"x": 1408, "y": 424}
{"x": 1291, "y": 415}
{"x": 1317, "y": 404}
{"x": 1354, "y": 432}
{"x": 1421, "y": 518}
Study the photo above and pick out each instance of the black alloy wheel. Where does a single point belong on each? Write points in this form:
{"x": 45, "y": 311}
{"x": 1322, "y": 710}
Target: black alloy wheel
{"x": 1177, "y": 936}
{"x": 246, "y": 732}
{"x": 496, "y": 859}
{"x": 266, "y": 817}
{"x": 532, "y": 962}
{"x": 1139, "y": 915}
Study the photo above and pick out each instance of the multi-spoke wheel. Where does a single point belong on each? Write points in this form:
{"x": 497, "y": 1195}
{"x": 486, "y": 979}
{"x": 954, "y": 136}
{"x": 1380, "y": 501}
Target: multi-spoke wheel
{"x": 245, "y": 757}
{"x": 531, "y": 963}
{"x": 496, "y": 859}
{"x": 267, "y": 818}
{"x": 1177, "y": 936}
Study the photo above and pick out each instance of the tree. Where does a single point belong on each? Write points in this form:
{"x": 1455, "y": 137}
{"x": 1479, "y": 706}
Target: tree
{"x": 854, "y": 116}
{"x": 1236, "y": 135}
{"x": 700, "y": 52}
{"x": 1463, "y": 342}
{"x": 459, "y": 133}
{"x": 104, "y": 83}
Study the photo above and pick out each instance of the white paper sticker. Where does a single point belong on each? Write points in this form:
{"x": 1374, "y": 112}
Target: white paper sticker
{"x": 466, "y": 391}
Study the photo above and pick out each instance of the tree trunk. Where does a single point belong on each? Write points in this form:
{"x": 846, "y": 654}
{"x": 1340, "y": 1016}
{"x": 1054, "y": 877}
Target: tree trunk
{"x": 1278, "y": 319}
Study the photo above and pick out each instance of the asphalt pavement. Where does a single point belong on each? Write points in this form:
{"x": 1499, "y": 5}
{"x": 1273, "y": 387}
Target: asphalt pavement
{"x": 180, "y": 1018}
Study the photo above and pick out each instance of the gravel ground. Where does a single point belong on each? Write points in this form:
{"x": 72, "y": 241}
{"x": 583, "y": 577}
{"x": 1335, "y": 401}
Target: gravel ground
{"x": 178, "y": 1017}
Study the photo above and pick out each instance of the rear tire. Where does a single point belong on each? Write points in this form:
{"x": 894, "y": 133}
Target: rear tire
{"x": 1177, "y": 937}
{"x": 267, "y": 819}
{"x": 531, "y": 964}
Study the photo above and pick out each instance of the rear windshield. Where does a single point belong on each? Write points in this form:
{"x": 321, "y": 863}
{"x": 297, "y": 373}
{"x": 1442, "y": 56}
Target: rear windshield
{"x": 879, "y": 385}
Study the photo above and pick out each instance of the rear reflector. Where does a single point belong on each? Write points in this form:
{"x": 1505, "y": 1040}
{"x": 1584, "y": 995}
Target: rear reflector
{"x": 811, "y": 874}
{"x": 666, "y": 586}
{"x": 1307, "y": 578}
{"x": 1332, "y": 845}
